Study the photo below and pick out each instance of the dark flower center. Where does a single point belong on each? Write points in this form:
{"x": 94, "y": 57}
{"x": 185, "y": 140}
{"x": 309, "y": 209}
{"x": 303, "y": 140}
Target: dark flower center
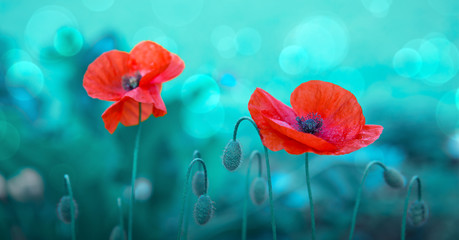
{"x": 130, "y": 82}
{"x": 312, "y": 123}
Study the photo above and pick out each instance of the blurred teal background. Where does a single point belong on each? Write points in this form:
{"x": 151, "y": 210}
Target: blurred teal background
{"x": 400, "y": 59}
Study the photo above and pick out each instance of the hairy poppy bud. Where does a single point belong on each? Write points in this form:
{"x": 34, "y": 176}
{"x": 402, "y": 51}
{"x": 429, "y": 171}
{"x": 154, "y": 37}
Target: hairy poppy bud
{"x": 232, "y": 155}
{"x": 394, "y": 178}
{"x": 418, "y": 212}
{"x": 118, "y": 233}
{"x": 63, "y": 209}
{"x": 203, "y": 209}
{"x": 198, "y": 183}
{"x": 258, "y": 191}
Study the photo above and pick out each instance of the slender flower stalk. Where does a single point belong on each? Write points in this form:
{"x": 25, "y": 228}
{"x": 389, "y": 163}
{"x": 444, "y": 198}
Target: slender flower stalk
{"x": 246, "y": 200}
{"x": 68, "y": 186}
{"x": 134, "y": 173}
{"x": 186, "y": 190}
{"x": 311, "y": 203}
{"x": 268, "y": 174}
{"x": 359, "y": 194}
{"x": 120, "y": 208}
{"x": 407, "y": 199}
{"x": 196, "y": 154}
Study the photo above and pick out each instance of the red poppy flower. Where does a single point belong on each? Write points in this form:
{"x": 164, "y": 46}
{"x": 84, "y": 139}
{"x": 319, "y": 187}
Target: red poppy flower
{"x": 324, "y": 119}
{"x": 130, "y": 79}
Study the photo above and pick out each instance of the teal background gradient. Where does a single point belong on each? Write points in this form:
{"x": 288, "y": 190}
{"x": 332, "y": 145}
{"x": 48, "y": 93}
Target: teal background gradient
{"x": 399, "y": 58}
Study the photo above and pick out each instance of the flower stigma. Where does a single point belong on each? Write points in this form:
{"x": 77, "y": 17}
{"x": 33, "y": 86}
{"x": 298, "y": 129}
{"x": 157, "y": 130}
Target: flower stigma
{"x": 130, "y": 82}
{"x": 311, "y": 124}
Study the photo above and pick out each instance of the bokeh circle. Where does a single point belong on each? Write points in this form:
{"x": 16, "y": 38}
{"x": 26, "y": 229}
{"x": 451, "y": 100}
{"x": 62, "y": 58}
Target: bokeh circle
{"x": 200, "y": 93}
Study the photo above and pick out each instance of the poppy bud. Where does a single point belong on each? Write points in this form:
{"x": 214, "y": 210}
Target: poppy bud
{"x": 63, "y": 209}
{"x": 258, "y": 192}
{"x": 198, "y": 183}
{"x": 418, "y": 212}
{"x": 118, "y": 233}
{"x": 203, "y": 209}
{"x": 232, "y": 155}
{"x": 394, "y": 178}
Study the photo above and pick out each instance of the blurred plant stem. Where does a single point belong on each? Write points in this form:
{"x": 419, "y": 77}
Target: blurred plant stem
{"x": 407, "y": 199}
{"x": 359, "y": 194}
{"x": 134, "y": 172}
{"x": 311, "y": 203}
{"x": 120, "y": 208}
{"x": 186, "y": 190}
{"x": 246, "y": 200}
{"x": 268, "y": 175}
{"x": 68, "y": 186}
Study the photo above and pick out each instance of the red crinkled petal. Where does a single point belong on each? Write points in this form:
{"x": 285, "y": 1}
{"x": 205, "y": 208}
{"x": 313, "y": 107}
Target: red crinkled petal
{"x": 102, "y": 79}
{"x": 314, "y": 143}
{"x": 341, "y": 113}
{"x": 126, "y": 111}
{"x": 368, "y": 135}
{"x": 175, "y": 67}
{"x": 151, "y": 59}
{"x": 151, "y": 95}
{"x": 261, "y": 106}
{"x": 275, "y": 141}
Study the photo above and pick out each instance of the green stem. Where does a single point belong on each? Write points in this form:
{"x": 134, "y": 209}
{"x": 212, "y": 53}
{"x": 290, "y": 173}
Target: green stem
{"x": 186, "y": 190}
{"x": 247, "y": 183}
{"x": 359, "y": 194}
{"x": 196, "y": 154}
{"x": 72, "y": 206}
{"x": 120, "y": 208}
{"x": 187, "y": 220}
{"x": 268, "y": 175}
{"x": 407, "y": 199}
{"x": 260, "y": 169}
{"x": 134, "y": 172}
{"x": 311, "y": 203}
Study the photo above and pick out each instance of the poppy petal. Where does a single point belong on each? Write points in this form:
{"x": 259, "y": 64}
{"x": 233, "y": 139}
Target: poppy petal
{"x": 175, "y": 67}
{"x": 151, "y": 59}
{"x": 112, "y": 116}
{"x": 275, "y": 141}
{"x": 262, "y": 104}
{"x": 126, "y": 111}
{"x": 102, "y": 79}
{"x": 152, "y": 96}
{"x": 368, "y": 135}
{"x": 317, "y": 144}
{"x": 130, "y": 116}
{"x": 341, "y": 113}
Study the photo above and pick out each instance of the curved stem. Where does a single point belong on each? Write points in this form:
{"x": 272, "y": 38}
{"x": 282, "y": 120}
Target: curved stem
{"x": 246, "y": 200}
{"x": 260, "y": 169}
{"x": 247, "y": 183}
{"x": 196, "y": 154}
{"x": 268, "y": 175}
{"x": 407, "y": 199}
{"x": 134, "y": 172}
{"x": 311, "y": 203}
{"x": 68, "y": 186}
{"x": 186, "y": 190}
{"x": 120, "y": 208}
{"x": 187, "y": 218}
{"x": 270, "y": 189}
{"x": 359, "y": 194}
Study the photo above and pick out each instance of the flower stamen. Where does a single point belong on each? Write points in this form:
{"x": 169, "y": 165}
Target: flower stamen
{"x": 130, "y": 82}
{"x": 311, "y": 124}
